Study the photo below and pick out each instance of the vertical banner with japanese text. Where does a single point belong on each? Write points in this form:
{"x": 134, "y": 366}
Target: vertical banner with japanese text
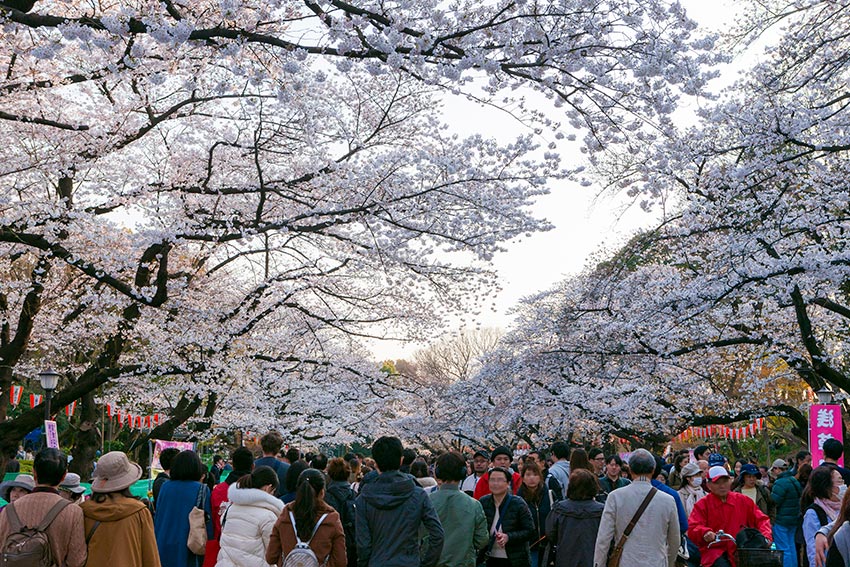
{"x": 824, "y": 424}
{"x": 52, "y": 434}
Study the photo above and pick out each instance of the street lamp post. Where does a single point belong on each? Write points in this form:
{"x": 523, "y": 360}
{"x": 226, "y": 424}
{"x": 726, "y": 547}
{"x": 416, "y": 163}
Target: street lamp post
{"x": 49, "y": 380}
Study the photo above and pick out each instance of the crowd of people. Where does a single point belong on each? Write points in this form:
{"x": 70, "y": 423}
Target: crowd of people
{"x": 565, "y": 508}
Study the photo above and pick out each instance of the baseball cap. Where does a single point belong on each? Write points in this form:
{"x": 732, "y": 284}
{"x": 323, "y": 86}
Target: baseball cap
{"x": 750, "y": 469}
{"x": 716, "y": 460}
{"x": 715, "y": 473}
{"x": 779, "y": 464}
{"x": 481, "y": 453}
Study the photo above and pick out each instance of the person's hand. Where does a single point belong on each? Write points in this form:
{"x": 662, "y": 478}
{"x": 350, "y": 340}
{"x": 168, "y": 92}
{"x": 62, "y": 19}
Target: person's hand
{"x": 709, "y": 536}
{"x": 821, "y": 547}
{"x": 501, "y": 539}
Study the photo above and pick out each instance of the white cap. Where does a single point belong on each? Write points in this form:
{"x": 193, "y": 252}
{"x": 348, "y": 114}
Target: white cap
{"x": 717, "y": 472}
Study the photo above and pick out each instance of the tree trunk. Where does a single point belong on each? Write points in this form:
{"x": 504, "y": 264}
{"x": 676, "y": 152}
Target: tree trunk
{"x": 185, "y": 409}
{"x": 87, "y": 439}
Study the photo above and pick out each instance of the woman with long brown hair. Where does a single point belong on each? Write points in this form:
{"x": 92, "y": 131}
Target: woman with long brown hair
{"x": 579, "y": 460}
{"x": 310, "y": 520}
{"x": 540, "y": 501}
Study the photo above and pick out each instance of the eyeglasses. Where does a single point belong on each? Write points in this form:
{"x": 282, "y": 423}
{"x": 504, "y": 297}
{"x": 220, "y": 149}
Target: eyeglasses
{"x": 598, "y": 458}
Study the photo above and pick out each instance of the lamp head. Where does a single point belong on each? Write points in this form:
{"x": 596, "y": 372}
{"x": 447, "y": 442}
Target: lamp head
{"x": 824, "y": 396}
{"x": 49, "y": 379}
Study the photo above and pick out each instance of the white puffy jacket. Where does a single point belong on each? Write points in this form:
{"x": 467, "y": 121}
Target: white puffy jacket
{"x": 248, "y": 524}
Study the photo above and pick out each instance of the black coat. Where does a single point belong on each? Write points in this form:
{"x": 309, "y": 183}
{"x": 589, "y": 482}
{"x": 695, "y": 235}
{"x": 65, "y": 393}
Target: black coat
{"x": 341, "y": 497}
{"x": 572, "y": 528}
{"x": 389, "y": 513}
{"x": 517, "y": 523}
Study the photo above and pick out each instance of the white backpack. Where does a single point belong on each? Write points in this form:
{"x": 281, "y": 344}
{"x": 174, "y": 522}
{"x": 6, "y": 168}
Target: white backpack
{"x": 302, "y": 555}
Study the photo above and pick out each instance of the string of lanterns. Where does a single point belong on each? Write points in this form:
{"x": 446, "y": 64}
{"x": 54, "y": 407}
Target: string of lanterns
{"x": 131, "y": 420}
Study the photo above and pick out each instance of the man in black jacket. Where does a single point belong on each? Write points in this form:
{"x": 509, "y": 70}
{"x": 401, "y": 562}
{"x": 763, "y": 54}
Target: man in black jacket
{"x": 389, "y": 513}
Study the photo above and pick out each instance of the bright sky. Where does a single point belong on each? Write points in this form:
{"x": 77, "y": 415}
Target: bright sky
{"x": 584, "y": 220}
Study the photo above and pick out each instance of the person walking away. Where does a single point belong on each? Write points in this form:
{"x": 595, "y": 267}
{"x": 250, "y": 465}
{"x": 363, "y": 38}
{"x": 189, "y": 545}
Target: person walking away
{"x": 540, "y": 500}
{"x": 748, "y": 485}
{"x": 786, "y": 495}
{"x": 118, "y": 526}
{"x": 340, "y": 496}
{"x": 559, "y": 472}
{"x": 390, "y": 511}
{"x": 832, "y": 451}
{"x": 500, "y": 457}
{"x": 292, "y": 476}
{"x": 480, "y": 462}
{"x": 166, "y": 457}
{"x": 612, "y": 480}
{"x": 243, "y": 464}
{"x": 655, "y": 538}
{"x": 573, "y": 524}
{"x": 462, "y": 517}
{"x": 510, "y": 523}
{"x": 723, "y": 510}
{"x": 249, "y": 519}
{"x": 45, "y": 505}
{"x": 71, "y": 489}
{"x": 419, "y": 470}
{"x": 821, "y": 504}
{"x": 310, "y": 520}
{"x": 271, "y": 443}
{"x": 177, "y": 498}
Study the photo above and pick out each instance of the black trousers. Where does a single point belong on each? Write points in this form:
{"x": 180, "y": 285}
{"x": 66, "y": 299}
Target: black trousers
{"x": 722, "y": 561}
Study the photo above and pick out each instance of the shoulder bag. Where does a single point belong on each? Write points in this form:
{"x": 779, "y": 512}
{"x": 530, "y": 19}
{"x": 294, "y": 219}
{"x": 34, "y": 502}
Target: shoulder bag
{"x": 197, "y": 540}
{"x": 617, "y": 553}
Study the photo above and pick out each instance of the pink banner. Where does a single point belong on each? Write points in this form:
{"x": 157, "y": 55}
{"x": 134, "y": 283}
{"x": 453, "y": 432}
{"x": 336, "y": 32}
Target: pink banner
{"x": 824, "y": 424}
{"x": 159, "y": 445}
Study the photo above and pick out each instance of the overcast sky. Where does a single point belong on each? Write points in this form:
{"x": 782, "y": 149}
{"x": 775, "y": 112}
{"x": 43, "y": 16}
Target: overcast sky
{"x": 584, "y": 220}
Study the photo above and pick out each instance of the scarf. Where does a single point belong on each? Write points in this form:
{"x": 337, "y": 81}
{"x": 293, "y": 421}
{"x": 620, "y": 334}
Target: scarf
{"x": 831, "y": 507}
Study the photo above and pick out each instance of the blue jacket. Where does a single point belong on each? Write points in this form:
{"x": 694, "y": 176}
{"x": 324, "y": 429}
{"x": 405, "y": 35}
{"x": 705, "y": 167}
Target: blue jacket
{"x": 389, "y": 512}
{"x": 171, "y": 522}
{"x": 683, "y": 518}
{"x": 279, "y": 467}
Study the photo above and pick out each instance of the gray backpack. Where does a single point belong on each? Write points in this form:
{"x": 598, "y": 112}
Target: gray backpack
{"x": 301, "y": 555}
{"x": 26, "y": 546}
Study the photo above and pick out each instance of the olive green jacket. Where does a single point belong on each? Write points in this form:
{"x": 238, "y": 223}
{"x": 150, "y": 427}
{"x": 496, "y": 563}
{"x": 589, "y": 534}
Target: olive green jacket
{"x": 464, "y": 526}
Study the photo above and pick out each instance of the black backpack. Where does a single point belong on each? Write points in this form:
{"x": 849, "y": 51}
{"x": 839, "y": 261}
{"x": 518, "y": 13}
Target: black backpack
{"x": 26, "y": 546}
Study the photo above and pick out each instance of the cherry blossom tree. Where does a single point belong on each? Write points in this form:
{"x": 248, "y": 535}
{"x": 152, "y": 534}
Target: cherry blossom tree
{"x": 741, "y": 291}
{"x": 243, "y": 191}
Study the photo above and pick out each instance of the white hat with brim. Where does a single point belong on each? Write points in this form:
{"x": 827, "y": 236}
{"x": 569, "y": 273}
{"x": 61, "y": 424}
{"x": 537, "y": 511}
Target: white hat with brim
{"x": 715, "y": 473}
{"x": 25, "y": 481}
{"x": 71, "y": 483}
{"x": 115, "y": 472}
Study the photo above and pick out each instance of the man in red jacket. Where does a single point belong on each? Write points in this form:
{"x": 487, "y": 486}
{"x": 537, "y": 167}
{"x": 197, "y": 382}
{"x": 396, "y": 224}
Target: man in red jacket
{"x": 723, "y": 510}
{"x": 500, "y": 457}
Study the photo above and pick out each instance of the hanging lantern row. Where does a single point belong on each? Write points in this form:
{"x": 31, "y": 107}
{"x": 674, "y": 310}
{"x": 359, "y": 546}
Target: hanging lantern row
{"x": 132, "y": 421}
{"x": 710, "y": 431}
